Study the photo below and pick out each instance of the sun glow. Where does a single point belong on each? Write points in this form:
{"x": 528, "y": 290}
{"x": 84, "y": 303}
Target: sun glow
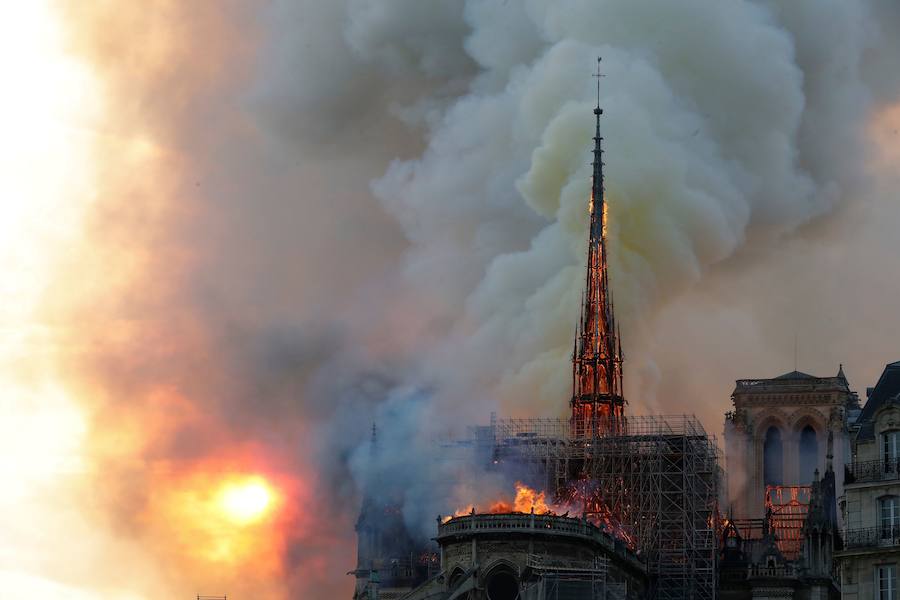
{"x": 247, "y": 501}
{"x": 49, "y": 100}
{"x": 216, "y": 512}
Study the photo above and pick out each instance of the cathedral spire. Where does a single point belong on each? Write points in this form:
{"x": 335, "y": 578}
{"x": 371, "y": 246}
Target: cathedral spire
{"x": 597, "y": 402}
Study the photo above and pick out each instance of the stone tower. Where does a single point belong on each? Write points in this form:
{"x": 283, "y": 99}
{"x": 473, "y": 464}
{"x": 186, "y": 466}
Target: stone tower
{"x": 388, "y": 561}
{"x": 777, "y": 434}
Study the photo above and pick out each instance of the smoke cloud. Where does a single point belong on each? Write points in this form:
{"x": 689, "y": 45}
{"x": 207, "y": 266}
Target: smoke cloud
{"x": 310, "y": 216}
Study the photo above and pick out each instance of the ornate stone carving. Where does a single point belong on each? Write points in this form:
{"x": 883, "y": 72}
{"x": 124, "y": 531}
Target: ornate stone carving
{"x": 836, "y": 418}
{"x": 771, "y": 416}
{"x": 815, "y": 417}
{"x": 741, "y": 421}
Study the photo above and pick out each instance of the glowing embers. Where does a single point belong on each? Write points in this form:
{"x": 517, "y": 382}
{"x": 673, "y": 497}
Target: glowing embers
{"x": 788, "y": 506}
{"x": 588, "y": 496}
{"x": 592, "y": 419}
{"x": 605, "y": 219}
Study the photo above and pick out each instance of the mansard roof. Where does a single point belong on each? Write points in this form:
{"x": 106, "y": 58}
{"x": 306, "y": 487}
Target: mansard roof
{"x": 888, "y": 387}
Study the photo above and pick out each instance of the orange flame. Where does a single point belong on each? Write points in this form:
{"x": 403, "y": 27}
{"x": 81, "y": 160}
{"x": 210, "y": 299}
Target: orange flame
{"x": 526, "y": 500}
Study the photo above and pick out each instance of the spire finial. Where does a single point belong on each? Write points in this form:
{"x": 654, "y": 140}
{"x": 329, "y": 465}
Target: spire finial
{"x": 598, "y": 75}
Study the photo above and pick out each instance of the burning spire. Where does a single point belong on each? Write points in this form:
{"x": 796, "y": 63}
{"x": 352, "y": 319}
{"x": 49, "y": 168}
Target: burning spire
{"x": 597, "y": 402}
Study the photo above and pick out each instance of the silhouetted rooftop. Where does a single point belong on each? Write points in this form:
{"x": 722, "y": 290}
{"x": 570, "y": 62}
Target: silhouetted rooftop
{"x": 887, "y": 388}
{"x": 798, "y": 375}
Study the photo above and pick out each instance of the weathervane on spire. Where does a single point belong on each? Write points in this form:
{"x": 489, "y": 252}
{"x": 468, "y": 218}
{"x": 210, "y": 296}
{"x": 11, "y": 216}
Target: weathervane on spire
{"x": 598, "y": 75}
{"x": 597, "y": 400}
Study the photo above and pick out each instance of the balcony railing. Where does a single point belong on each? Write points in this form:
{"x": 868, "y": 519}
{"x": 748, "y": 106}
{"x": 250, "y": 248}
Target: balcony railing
{"x": 873, "y": 537}
{"x": 872, "y": 470}
{"x": 780, "y": 572}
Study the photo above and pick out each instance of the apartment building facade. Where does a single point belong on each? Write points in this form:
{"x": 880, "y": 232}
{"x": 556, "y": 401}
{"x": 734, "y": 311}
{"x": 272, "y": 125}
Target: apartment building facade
{"x": 869, "y": 560}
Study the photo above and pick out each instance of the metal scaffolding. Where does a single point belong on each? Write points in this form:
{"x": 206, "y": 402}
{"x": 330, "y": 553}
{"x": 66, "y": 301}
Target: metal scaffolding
{"x": 655, "y": 484}
{"x": 567, "y": 580}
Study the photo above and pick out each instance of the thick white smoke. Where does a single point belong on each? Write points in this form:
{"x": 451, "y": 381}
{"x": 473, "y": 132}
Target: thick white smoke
{"x": 727, "y": 125}
{"x": 725, "y": 122}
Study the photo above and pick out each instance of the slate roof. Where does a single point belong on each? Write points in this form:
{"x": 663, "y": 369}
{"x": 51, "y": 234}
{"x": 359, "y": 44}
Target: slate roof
{"x": 888, "y": 387}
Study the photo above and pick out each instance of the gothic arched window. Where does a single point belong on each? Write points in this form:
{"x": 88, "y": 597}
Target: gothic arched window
{"x": 773, "y": 461}
{"x": 808, "y": 455}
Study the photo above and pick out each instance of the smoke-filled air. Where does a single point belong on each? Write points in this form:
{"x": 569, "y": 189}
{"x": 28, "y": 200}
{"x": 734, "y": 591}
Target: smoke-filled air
{"x": 236, "y": 234}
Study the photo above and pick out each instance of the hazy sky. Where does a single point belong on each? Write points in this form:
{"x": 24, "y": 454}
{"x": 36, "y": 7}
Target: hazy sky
{"x": 236, "y": 233}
